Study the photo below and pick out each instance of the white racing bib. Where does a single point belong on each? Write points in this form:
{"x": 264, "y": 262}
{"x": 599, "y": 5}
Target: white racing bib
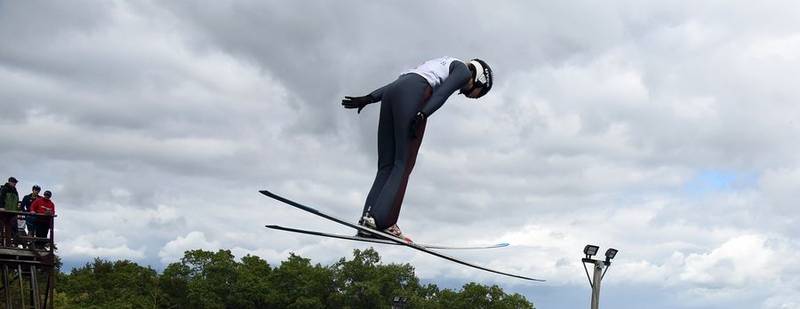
{"x": 435, "y": 70}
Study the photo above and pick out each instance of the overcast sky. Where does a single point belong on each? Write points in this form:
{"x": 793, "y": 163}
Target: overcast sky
{"x": 665, "y": 129}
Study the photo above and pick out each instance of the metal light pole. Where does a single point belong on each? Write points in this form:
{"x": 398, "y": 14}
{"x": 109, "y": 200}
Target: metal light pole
{"x": 600, "y": 268}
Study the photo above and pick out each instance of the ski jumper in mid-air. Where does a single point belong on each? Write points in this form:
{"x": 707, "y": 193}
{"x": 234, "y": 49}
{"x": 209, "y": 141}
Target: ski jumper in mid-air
{"x": 406, "y": 105}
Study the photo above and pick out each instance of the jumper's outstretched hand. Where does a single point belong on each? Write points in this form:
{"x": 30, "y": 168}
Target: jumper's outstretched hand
{"x": 357, "y": 102}
{"x": 417, "y": 121}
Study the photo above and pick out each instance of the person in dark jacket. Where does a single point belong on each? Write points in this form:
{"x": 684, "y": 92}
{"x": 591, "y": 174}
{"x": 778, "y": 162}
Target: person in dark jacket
{"x": 9, "y": 200}
{"x": 26, "y": 207}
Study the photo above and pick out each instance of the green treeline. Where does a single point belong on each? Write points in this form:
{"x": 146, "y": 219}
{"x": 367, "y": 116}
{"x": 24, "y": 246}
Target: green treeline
{"x": 204, "y": 279}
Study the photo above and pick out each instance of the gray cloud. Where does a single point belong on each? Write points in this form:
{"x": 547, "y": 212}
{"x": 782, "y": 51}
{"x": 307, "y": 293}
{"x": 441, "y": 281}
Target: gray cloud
{"x": 664, "y": 129}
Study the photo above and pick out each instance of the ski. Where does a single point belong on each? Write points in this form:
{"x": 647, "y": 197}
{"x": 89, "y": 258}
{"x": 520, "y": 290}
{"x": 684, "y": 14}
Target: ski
{"x": 390, "y": 237}
{"x": 382, "y": 241}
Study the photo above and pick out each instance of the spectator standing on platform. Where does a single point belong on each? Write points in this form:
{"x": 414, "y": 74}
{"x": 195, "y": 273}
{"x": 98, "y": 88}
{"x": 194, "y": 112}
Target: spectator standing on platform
{"x": 27, "y": 201}
{"x": 43, "y": 206}
{"x": 9, "y": 200}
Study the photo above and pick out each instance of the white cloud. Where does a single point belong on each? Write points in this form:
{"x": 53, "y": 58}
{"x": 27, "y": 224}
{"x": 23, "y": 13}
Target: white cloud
{"x": 174, "y": 249}
{"x": 104, "y": 244}
{"x": 732, "y": 264}
{"x": 780, "y": 189}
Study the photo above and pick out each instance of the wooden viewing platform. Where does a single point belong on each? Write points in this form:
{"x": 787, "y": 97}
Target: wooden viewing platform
{"x": 27, "y": 263}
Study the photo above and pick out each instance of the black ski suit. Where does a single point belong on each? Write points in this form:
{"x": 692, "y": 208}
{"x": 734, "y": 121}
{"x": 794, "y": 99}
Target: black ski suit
{"x": 397, "y": 148}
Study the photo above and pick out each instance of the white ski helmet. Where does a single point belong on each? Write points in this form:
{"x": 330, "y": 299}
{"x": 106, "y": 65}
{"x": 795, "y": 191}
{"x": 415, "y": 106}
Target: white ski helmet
{"x": 482, "y": 76}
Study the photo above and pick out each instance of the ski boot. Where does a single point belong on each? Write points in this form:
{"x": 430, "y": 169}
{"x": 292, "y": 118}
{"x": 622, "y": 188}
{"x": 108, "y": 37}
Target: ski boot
{"x": 394, "y": 230}
{"x": 369, "y": 222}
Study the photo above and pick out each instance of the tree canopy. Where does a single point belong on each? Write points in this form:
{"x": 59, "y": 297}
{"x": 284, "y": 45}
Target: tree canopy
{"x": 205, "y": 279}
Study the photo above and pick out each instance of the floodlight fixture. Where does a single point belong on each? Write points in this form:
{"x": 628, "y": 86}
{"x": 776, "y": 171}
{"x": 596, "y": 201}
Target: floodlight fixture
{"x": 590, "y": 250}
{"x": 610, "y": 254}
{"x": 600, "y": 268}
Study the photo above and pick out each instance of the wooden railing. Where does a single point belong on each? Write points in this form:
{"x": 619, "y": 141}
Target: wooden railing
{"x": 10, "y": 238}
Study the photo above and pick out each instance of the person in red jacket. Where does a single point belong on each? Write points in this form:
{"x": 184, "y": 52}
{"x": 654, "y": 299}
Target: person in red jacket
{"x": 44, "y": 206}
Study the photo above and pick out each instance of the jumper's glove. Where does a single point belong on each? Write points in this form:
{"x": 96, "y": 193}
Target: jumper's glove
{"x": 357, "y": 102}
{"x": 418, "y": 121}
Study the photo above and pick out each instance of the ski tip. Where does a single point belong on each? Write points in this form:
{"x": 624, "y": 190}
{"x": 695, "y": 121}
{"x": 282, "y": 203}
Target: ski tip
{"x": 271, "y": 226}
{"x": 503, "y": 244}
